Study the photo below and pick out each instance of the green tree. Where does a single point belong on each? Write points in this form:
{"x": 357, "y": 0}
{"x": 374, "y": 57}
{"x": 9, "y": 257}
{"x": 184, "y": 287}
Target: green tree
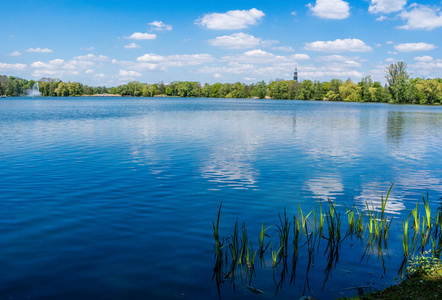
{"x": 206, "y": 91}
{"x": 350, "y": 91}
{"x": 260, "y": 90}
{"x": 306, "y": 90}
{"x": 398, "y": 81}
{"x": 430, "y": 91}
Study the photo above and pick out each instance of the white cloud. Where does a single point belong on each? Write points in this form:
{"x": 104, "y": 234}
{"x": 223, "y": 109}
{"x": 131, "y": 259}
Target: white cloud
{"x": 259, "y": 56}
{"x": 326, "y": 71}
{"x": 142, "y": 36}
{"x": 125, "y": 73}
{"x": 39, "y": 50}
{"x": 284, "y": 48}
{"x": 92, "y": 57}
{"x": 100, "y": 75}
{"x": 60, "y": 67}
{"x": 87, "y": 48}
{"x": 176, "y": 60}
{"x": 422, "y": 17}
{"x": 345, "y": 45}
{"x": 217, "y": 75}
{"x": 236, "y": 41}
{"x": 12, "y": 67}
{"x": 299, "y": 57}
{"x": 339, "y": 60}
{"x": 426, "y": 66}
{"x": 381, "y": 18}
{"x": 377, "y": 45}
{"x": 159, "y": 25}
{"x": 151, "y": 57}
{"x": 410, "y": 47}
{"x": 293, "y": 13}
{"x": 15, "y": 53}
{"x": 233, "y": 19}
{"x": 386, "y": 6}
{"x": 392, "y": 52}
{"x": 423, "y": 58}
{"x": 89, "y": 71}
{"x": 389, "y": 42}
{"x": 390, "y": 59}
{"x": 330, "y": 9}
{"x": 132, "y": 46}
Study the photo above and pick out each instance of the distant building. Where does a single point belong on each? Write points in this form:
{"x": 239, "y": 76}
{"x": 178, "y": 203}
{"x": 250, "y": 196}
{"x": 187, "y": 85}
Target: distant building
{"x": 295, "y": 74}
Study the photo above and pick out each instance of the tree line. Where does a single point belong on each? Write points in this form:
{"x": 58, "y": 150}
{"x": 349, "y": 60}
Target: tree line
{"x": 400, "y": 88}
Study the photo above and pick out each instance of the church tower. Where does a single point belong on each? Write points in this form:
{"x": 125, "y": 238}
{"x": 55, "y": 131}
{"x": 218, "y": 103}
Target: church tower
{"x": 295, "y": 74}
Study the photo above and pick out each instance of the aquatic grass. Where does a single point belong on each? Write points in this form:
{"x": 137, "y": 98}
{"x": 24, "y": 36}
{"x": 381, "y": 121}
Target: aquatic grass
{"x": 359, "y": 223}
{"x": 284, "y": 230}
{"x": 325, "y": 224}
{"x": 218, "y": 244}
{"x": 404, "y": 237}
{"x": 250, "y": 256}
{"x": 370, "y": 220}
{"x": 351, "y": 217}
{"x": 275, "y": 256}
{"x": 234, "y": 243}
{"x": 427, "y": 211}
{"x": 261, "y": 237}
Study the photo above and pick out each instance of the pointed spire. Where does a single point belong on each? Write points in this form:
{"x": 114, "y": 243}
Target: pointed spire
{"x": 295, "y": 74}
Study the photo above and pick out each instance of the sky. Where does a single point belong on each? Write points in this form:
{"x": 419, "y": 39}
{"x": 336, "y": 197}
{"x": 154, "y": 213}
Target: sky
{"x": 113, "y": 42}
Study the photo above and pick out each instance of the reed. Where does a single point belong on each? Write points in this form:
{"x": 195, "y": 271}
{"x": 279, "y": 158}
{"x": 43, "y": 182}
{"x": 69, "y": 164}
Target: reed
{"x": 275, "y": 256}
{"x": 351, "y": 217}
{"x": 234, "y": 244}
{"x": 427, "y": 211}
{"x": 284, "y": 230}
{"x": 218, "y": 244}
{"x": 261, "y": 237}
{"x": 360, "y": 223}
{"x": 404, "y": 237}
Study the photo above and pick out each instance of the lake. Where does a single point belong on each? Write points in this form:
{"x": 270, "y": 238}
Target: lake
{"x": 114, "y": 198}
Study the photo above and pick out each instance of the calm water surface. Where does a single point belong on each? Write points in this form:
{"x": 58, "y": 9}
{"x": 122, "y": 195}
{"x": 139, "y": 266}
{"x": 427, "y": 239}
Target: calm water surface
{"x": 115, "y": 198}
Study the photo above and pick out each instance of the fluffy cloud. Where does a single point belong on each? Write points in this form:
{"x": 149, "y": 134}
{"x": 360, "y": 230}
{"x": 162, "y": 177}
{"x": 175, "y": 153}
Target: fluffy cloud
{"x": 263, "y": 57}
{"x": 341, "y": 60}
{"x": 124, "y": 73}
{"x": 92, "y": 57}
{"x": 422, "y": 17}
{"x": 423, "y": 58}
{"x": 15, "y": 53}
{"x": 60, "y": 67}
{"x": 330, "y": 9}
{"x": 159, "y": 25}
{"x": 427, "y": 65}
{"x": 345, "y": 45}
{"x": 386, "y": 6}
{"x": 12, "y": 67}
{"x": 176, "y": 60}
{"x": 39, "y": 50}
{"x": 326, "y": 71}
{"x": 89, "y": 71}
{"x": 284, "y": 48}
{"x": 236, "y": 41}
{"x": 142, "y": 36}
{"x": 410, "y": 47}
{"x": 132, "y": 46}
{"x": 233, "y": 19}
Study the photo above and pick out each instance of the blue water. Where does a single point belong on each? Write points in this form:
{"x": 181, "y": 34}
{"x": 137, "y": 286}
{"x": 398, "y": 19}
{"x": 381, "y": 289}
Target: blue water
{"x": 115, "y": 198}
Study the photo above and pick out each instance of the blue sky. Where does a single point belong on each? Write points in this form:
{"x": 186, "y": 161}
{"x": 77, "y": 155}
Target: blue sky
{"x": 113, "y": 42}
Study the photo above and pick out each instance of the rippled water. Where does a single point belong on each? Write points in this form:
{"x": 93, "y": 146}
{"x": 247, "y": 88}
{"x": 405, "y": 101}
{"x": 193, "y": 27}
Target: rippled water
{"x": 115, "y": 198}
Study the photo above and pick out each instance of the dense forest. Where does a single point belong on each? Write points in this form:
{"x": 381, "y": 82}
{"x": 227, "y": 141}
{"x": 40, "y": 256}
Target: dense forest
{"x": 400, "y": 88}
